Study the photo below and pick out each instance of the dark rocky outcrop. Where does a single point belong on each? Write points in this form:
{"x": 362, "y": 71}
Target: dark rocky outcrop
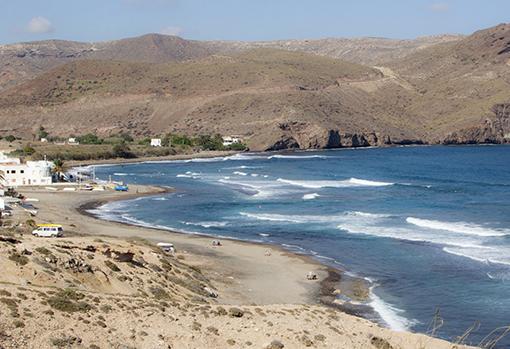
{"x": 494, "y": 130}
{"x": 301, "y": 135}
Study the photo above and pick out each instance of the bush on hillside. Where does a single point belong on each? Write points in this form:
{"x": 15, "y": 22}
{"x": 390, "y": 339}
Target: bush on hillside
{"x": 207, "y": 142}
{"x": 89, "y": 138}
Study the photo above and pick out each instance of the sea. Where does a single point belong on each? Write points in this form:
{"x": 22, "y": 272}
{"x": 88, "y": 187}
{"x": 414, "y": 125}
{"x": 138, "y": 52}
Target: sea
{"x": 427, "y": 226}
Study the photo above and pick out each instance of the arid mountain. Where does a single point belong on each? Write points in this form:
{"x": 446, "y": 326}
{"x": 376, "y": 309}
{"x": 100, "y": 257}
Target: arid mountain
{"x": 368, "y": 51}
{"x": 23, "y": 61}
{"x": 459, "y": 82}
{"x": 452, "y": 91}
{"x": 19, "y": 62}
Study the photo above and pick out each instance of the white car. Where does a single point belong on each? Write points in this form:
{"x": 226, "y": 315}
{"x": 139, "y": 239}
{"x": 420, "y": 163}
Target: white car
{"x": 48, "y": 231}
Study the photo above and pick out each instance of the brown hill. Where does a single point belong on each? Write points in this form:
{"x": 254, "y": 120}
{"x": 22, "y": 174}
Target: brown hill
{"x": 277, "y": 99}
{"x": 459, "y": 82}
{"x": 366, "y": 50}
{"x": 23, "y": 61}
{"x": 19, "y": 62}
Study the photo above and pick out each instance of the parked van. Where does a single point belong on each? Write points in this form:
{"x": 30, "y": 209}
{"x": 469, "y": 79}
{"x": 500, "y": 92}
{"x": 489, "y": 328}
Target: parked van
{"x": 48, "y": 230}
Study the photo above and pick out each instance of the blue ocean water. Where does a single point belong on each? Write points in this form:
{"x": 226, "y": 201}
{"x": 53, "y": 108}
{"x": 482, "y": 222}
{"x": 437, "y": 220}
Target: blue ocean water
{"x": 429, "y": 226}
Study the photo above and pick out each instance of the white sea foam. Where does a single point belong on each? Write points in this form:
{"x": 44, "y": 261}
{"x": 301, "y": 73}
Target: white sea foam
{"x": 317, "y": 184}
{"x": 390, "y": 314}
{"x": 189, "y": 174}
{"x": 160, "y": 199}
{"x": 457, "y": 227}
{"x": 281, "y": 156}
{"x": 367, "y": 215}
{"x": 239, "y": 173}
{"x": 495, "y": 254}
{"x": 260, "y": 189}
{"x": 311, "y": 196}
{"x": 208, "y": 224}
{"x": 300, "y": 219}
{"x": 264, "y": 235}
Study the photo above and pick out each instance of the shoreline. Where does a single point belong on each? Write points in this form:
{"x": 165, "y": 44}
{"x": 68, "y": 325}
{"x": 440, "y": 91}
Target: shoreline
{"x": 272, "y": 290}
{"x": 238, "y": 268}
{"x": 336, "y": 277}
{"x": 334, "y": 280}
{"x": 324, "y": 295}
{"x": 122, "y": 161}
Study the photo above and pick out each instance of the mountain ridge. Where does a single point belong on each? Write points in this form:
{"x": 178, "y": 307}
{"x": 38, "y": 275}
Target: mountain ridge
{"x": 444, "y": 92}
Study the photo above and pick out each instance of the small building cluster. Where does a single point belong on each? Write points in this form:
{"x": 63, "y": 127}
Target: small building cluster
{"x": 156, "y": 142}
{"x": 16, "y": 173}
{"x": 229, "y": 140}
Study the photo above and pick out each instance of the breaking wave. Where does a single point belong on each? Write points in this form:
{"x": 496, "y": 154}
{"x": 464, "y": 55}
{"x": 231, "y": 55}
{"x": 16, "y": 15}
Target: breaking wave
{"x": 457, "y": 227}
{"x": 317, "y": 184}
{"x": 311, "y": 196}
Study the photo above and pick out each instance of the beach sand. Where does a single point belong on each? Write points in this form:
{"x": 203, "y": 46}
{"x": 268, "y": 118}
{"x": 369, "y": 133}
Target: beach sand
{"x": 276, "y": 301}
{"x": 242, "y": 269}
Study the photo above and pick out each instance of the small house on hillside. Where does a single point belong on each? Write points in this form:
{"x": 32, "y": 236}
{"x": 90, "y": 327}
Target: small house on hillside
{"x": 156, "y": 142}
{"x": 229, "y": 140}
{"x": 72, "y": 141}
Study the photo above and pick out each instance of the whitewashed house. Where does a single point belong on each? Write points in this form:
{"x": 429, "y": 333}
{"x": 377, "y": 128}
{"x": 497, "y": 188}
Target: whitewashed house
{"x": 30, "y": 173}
{"x": 44, "y": 140}
{"x": 156, "y": 142}
{"x": 72, "y": 141}
{"x": 229, "y": 140}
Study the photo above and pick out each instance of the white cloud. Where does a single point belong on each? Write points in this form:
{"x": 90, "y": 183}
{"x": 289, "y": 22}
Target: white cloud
{"x": 176, "y": 31}
{"x": 440, "y": 7}
{"x": 40, "y": 25}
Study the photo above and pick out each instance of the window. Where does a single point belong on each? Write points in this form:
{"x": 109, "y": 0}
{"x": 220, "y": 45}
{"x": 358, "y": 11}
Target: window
{"x": 13, "y": 171}
{"x": 22, "y": 171}
{"x": 8, "y": 171}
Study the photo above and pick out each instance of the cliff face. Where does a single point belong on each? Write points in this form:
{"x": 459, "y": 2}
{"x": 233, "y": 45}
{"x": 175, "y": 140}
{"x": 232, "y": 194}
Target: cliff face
{"x": 296, "y": 135}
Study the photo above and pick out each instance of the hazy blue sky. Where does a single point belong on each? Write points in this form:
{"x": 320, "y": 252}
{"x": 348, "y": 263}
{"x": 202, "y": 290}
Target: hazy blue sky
{"x": 93, "y": 20}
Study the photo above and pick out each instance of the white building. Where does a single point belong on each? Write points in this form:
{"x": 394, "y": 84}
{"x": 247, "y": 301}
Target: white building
{"x": 73, "y": 141}
{"x": 44, "y": 140}
{"x": 156, "y": 142}
{"x": 16, "y": 173}
{"x": 229, "y": 140}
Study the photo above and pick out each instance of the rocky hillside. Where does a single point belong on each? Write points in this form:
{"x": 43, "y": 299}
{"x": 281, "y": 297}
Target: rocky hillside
{"x": 438, "y": 90}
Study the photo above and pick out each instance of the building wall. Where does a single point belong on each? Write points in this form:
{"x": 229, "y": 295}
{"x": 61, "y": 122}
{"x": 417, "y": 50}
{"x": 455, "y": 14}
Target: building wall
{"x": 31, "y": 173}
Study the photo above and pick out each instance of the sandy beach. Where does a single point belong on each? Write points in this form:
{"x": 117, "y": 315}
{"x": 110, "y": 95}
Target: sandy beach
{"x": 243, "y": 270}
{"x": 277, "y": 306}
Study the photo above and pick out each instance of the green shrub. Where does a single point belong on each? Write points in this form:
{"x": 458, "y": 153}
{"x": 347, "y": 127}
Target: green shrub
{"x": 146, "y": 141}
{"x": 69, "y": 301}
{"x": 18, "y": 258}
{"x": 122, "y": 150}
{"x": 112, "y": 266}
{"x": 207, "y": 142}
{"x": 42, "y": 133}
{"x": 89, "y": 138}
{"x": 238, "y": 147}
{"x": 174, "y": 139}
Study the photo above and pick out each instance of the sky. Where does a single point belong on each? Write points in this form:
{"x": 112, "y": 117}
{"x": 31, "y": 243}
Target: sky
{"x": 99, "y": 20}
